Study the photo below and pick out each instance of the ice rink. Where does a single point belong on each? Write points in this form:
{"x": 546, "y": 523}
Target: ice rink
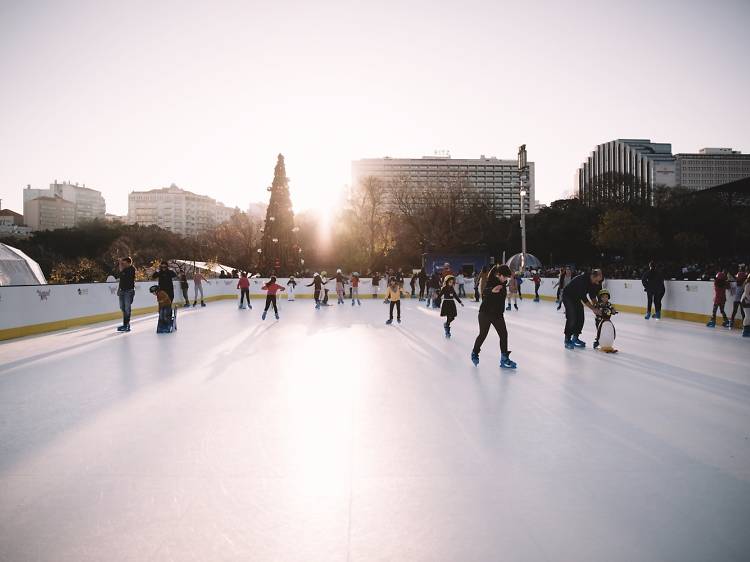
{"x": 329, "y": 436}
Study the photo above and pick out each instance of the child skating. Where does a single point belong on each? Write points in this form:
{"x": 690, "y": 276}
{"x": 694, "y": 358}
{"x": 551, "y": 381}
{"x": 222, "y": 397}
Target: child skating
{"x": 513, "y": 288}
{"x": 198, "y": 280}
{"x": 537, "y": 279}
{"x": 243, "y": 284}
{"x": 290, "y": 286}
{"x": 317, "y": 284}
{"x": 393, "y": 297}
{"x": 355, "y": 288}
{"x": 721, "y": 284}
{"x": 271, "y": 289}
{"x": 340, "y": 283}
{"x": 448, "y": 298}
{"x": 605, "y": 330}
{"x": 166, "y": 323}
{"x": 491, "y": 314}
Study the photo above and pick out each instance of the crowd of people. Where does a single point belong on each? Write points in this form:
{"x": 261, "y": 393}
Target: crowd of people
{"x": 443, "y": 289}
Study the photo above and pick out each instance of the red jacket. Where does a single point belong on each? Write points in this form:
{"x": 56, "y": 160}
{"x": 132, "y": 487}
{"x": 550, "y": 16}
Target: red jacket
{"x": 272, "y": 288}
{"x": 243, "y": 283}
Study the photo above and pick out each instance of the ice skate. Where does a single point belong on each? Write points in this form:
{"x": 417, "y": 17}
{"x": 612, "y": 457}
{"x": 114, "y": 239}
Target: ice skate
{"x": 507, "y": 307}
{"x": 123, "y": 328}
{"x": 648, "y": 316}
{"x": 475, "y": 358}
{"x": 447, "y": 330}
{"x": 195, "y": 303}
{"x": 276, "y": 315}
{"x": 389, "y": 321}
{"x": 725, "y": 324}
{"x": 359, "y": 303}
{"x": 352, "y": 302}
{"x": 505, "y": 362}
{"x": 578, "y": 343}
{"x": 263, "y": 316}
{"x": 515, "y": 306}
{"x": 746, "y": 332}
{"x": 203, "y": 303}
{"x": 657, "y": 315}
{"x": 398, "y": 320}
{"x": 569, "y": 344}
{"x": 711, "y": 324}
{"x": 596, "y": 344}
{"x": 242, "y": 307}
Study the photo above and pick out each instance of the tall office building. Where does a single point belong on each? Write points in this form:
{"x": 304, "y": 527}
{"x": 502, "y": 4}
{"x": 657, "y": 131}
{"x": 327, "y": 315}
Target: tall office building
{"x": 177, "y": 210}
{"x": 49, "y": 213}
{"x": 495, "y": 179}
{"x": 629, "y": 170}
{"x": 711, "y": 167}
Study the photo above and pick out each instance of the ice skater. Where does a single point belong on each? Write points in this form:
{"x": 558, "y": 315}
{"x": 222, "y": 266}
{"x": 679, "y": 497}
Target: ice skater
{"x": 243, "y": 284}
{"x": 581, "y": 291}
{"x": 355, "y": 288}
{"x": 721, "y": 285}
{"x": 739, "y": 287}
{"x": 125, "y": 290}
{"x": 537, "y": 279}
{"x": 271, "y": 289}
{"x": 393, "y": 297}
{"x": 317, "y": 284}
{"x": 566, "y": 275}
{"x": 340, "y": 283}
{"x": 165, "y": 278}
{"x": 165, "y": 324}
{"x": 491, "y": 314}
{"x": 513, "y": 289}
{"x": 745, "y": 302}
{"x": 198, "y": 280}
{"x": 290, "y": 285}
{"x": 608, "y": 334}
{"x": 653, "y": 284}
{"x": 184, "y": 286}
{"x": 413, "y": 286}
{"x": 422, "y": 281}
{"x": 448, "y": 298}
{"x": 434, "y": 289}
{"x": 375, "y": 284}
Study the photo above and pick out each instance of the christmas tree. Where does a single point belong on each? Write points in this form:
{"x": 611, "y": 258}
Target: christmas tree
{"x": 279, "y": 252}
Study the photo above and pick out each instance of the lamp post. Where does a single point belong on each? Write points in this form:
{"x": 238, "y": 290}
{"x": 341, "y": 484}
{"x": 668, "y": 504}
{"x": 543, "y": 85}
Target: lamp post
{"x": 523, "y": 168}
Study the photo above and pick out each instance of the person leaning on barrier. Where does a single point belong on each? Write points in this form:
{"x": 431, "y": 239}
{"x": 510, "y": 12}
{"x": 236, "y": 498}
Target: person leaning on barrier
{"x": 126, "y": 290}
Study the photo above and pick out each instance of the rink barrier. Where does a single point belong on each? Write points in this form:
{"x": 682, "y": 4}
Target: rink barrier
{"x": 35, "y": 309}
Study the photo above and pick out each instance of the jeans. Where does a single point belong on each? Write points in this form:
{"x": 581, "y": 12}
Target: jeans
{"x": 498, "y": 322}
{"x": 656, "y": 298}
{"x": 574, "y": 317}
{"x": 126, "y": 302}
{"x": 461, "y": 290}
{"x": 197, "y": 288}
{"x": 244, "y": 293}
{"x": 397, "y": 304}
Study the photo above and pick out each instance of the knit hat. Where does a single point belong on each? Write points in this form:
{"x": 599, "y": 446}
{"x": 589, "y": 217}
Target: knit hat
{"x": 604, "y": 292}
{"x": 153, "y": 288}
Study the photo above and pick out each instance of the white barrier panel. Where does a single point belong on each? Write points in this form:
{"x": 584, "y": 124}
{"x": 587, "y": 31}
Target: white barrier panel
{"x": 34, "y": 309}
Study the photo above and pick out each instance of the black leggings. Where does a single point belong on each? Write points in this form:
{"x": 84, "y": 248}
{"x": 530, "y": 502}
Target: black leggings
{"x": 397, "y": 304}
{"x": 573, "y": 317}
{"x": 271, "y": 300}
{"x": 536, "y": 291}
{"x": 316, "y": 294}
{"x": 449, "y": 319}
{"x": 737, "y": 305}
{"x": 485, "y": 321}
{"x": 244, "y": 293}
{"x": 721, "y": 308}
{"x": 656, "y": 298}
{"x": 185, "y": 293}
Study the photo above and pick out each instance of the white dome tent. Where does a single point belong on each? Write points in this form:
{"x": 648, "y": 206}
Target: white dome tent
{"x": 518, "y": 263}
{"x": 16, "y": 268}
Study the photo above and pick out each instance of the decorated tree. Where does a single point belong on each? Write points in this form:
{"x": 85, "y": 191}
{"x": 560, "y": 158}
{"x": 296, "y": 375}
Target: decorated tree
{"x": 279, "y": 251}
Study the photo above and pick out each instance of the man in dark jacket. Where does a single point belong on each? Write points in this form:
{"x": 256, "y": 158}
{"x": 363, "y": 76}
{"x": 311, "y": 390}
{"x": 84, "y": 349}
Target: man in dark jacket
{"x": 491, "y": 314}
{"x": 166, "y": 279}
{"x": 422, "y": 279}
{"x": 653, "y": 284}
{"x": 580, "y": 292}
{"x": 125, "y": 290}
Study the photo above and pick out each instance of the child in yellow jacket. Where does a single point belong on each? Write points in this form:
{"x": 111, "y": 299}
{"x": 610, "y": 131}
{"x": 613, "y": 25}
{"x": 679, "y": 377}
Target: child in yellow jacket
{"x": 393, "y": 296}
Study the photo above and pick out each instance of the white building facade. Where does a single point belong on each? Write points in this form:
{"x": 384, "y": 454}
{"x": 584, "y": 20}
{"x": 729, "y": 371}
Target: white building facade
{"x": 711, "y": 167}
{"x": 497, "y": 180}
{"x": 88, "y": 204}
{"x": 175, "y": 209}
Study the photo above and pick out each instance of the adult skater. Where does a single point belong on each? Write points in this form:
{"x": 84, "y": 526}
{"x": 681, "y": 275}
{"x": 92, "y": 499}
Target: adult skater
{"x": 653, "y": 284}
{"x": 290, "y": 285}
{"x": 271, "y": 289}
{"x": 566, "y": 275}
{"x": 721, "y": 285}
{"x": 198, "y": 280}
{"x": 393, "y": 297}
{"x": 491, "y": 314}
{"x": 483, "y": 275}
{"x": 355, "y": 288}
{"x": 422, "y": 280}
{"x": 317, "y": 284}
{"x": 513, "y": 289}
{"x": 399, "y": 275}
{"x": 165, "y": 278}
{"x": 375, "y": 284}
{"x": 413, "y": 286}
{"x": 125, "y": 290}
{"x": 243, "y": 284}
{"x": 448, "y": 298}
{"x": 737, "y": 290}
{"x": 581, "y": 291}
{"x": 461, "y": 284}
{"x": 340, "y": 282}
{"x": 184, "y": 286}
{"x": 436, "y": 282}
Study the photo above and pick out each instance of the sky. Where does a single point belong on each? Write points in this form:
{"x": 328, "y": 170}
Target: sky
{"x": 136, "y": 95}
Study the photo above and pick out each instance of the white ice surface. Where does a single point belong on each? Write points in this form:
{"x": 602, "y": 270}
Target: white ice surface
{"x": 329, "y": 436}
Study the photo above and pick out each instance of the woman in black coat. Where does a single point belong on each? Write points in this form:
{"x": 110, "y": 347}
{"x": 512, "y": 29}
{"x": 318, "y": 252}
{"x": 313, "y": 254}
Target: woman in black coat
{"x": 448, "y": 297}
{"x": 653, "y": 284}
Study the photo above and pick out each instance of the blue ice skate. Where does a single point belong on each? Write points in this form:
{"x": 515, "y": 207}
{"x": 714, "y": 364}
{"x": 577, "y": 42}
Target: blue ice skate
{"x": 389, "y": 321}
{"x": 507, "y": 307}
{"x": 725, "y": 324}
{"x": 447, "y": 330}
{"x": 277, "y": 316}
{"x": 505, "y": 362}
{"x": 263, "y": 317}
{"x": 657, "y": 315}
{"x": 475, "y": 358}
{"x": 648, "y": 316}
{"x": 578, "y": 343}
{"x": 746, "y": 332}
{"x": 711, "y": 324}
{"x": 569, "y": 344}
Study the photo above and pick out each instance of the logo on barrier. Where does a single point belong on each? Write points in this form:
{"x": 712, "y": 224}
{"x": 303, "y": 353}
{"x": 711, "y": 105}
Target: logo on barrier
{"x": 113, "y": 290}
{"x": 83, "y": 291}
{"x": 691, "y": 288}
{"x": 43, "y": 294}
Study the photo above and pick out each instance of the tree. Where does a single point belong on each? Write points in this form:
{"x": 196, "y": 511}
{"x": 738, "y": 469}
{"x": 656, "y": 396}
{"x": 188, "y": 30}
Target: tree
{"x": 370, "y": 219}
{"x": 279, "y": 249}
{"x": 622, "y": 230}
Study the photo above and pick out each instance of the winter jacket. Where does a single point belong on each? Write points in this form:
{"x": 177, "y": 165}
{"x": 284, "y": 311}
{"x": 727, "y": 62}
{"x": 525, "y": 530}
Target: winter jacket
{"x": 493, "y": 303}
{"x": 127, "y": 278}
{"x": 653, "y": 281}
{"x": 243, "y": 283}
{"x": 272, "y": 288}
